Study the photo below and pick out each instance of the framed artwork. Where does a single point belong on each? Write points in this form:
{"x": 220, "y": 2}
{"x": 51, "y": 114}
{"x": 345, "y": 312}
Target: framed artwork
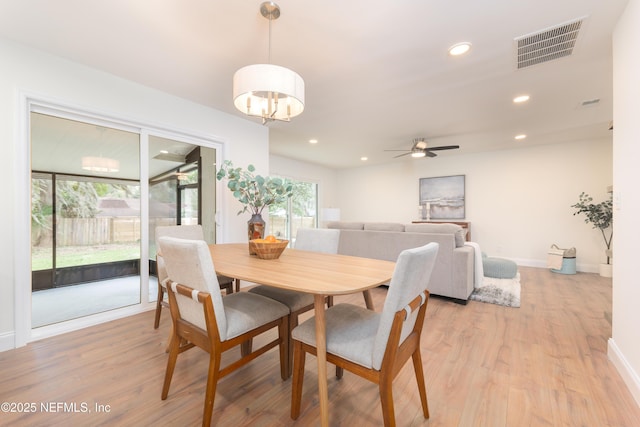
{"x": 443, "y": 196}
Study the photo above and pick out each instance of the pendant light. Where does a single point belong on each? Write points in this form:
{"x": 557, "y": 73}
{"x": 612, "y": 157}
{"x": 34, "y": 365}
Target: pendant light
{"x": 268, "y": 91}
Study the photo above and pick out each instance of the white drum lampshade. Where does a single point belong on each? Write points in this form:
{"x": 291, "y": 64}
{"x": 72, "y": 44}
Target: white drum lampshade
{"x": 268, "y": 91}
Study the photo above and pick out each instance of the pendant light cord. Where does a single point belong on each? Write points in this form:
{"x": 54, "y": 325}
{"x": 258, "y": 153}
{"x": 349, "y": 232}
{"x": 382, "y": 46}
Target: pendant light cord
{"x": 269, "y": 59}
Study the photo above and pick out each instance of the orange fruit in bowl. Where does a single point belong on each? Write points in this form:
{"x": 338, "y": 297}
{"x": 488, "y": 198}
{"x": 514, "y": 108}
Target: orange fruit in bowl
{"x": 271, "y": 239}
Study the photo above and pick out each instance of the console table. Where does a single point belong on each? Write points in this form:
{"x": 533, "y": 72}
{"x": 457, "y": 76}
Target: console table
{"x": 464, "y": 224}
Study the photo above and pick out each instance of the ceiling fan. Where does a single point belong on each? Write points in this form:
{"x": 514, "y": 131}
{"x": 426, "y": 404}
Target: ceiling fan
{"x": 420, "y": 149}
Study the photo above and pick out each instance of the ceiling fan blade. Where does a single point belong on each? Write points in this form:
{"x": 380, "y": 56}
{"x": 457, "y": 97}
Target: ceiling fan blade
{"x": 400, "y": 155}
{"x": 445, "y": 147}
{"x": 429, "y": 153}
{"x": 397, "y": 150}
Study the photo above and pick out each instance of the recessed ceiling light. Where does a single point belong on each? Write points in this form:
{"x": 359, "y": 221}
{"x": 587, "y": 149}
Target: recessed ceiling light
{"x": 364, "y": 158}
{"x": 521, "y": 98}
{"x": 521, "y": 136}
{"x": 313, "y": 141}
{"x": 459, "y": 48}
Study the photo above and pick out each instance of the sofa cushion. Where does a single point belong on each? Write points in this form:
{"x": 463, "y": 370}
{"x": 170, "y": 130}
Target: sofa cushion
{"x": 344, "y": 225}
{"x": 383, "y": 226}
{"x": 461, "y": 237}
{"x": 444, "y": 228}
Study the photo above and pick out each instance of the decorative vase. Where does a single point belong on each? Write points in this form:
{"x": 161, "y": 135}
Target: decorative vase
{"x": 606, "y": 270}
{"x": 255, "y": 228}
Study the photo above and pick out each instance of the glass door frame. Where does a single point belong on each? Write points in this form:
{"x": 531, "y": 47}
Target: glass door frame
{"x": 24, "y": 333}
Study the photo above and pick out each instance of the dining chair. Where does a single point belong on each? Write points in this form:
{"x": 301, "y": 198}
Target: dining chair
{"x": 374, "y": 345}
{"x": 202, "y": 317}
{"x": 193, "y": 232}
{"x": 310, "y": 239}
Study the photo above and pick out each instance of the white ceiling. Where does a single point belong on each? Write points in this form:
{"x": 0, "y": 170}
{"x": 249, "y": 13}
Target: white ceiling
{"x": 377, "y": 74}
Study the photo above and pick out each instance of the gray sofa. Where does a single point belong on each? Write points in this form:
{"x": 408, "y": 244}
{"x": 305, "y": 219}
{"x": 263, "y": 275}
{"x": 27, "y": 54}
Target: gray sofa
{"x": 452, "y": 275}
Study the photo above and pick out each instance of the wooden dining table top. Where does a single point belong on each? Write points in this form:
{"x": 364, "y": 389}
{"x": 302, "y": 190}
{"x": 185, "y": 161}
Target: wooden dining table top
{"x": 312, "y": 272}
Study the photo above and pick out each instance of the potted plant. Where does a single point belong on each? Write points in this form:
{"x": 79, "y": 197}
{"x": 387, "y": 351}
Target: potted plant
{"x": 601, "y": 216}
{"x": 255, "y": 192}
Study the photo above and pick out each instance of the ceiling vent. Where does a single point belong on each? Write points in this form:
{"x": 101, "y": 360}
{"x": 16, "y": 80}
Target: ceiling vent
{"x": 547, "y": 45}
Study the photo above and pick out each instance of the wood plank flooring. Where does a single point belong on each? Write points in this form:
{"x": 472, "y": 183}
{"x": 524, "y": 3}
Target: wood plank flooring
{"x": 543, "y": 364}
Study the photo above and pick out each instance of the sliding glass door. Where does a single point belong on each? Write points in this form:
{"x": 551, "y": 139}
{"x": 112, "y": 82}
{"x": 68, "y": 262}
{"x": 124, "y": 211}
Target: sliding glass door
{"x": 180, "y": 191}
{"x": 88, "y": 210}
{"x": 85, "y": 219}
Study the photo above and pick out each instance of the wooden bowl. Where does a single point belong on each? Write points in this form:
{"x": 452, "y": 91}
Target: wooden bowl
{"x": 267, "y": 250}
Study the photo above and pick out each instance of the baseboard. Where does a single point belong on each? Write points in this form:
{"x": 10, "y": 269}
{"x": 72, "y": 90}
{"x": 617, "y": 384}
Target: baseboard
{"x": 530, "y": 262}
{"x": 629, "y": 376}
{"x": 7, "y": 341}
{"x": 88, "y": 321}
{"x": 581, "y": 267}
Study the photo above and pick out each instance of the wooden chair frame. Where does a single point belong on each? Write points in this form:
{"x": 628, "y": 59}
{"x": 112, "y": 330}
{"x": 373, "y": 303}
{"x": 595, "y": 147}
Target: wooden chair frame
{"x": 186, "y": 335}
{"x": 395, "y": 357}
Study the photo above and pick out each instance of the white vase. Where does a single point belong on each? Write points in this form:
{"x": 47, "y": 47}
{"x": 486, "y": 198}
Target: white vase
{"x": 606, "y": 270}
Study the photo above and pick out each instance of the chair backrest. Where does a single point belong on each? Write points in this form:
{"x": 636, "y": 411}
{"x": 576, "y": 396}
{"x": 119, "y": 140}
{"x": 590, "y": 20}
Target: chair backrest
{"x": 188, "y": 262}
{"x": 410, "y": 278}
{"x": 191, "y": 232}
{"x": 318, "y": 240}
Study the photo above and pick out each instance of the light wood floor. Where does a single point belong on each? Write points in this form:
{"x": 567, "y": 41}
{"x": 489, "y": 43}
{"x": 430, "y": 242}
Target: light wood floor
{"x": 543, "y": 364}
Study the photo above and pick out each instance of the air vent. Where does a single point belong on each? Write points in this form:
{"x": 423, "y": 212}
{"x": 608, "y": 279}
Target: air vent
{"x": 547, "y": 45}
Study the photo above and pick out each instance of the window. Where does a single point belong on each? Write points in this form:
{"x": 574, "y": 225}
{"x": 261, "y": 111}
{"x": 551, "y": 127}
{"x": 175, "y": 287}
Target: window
{"x": 299, "y": 211}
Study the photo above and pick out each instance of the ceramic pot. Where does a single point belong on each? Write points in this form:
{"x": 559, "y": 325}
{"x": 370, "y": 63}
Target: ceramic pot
{"x": 255, "y": 228}
{"x": 606, "y": 270}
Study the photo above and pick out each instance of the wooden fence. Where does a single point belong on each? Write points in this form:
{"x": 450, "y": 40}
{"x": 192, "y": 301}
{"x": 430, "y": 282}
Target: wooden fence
{"x": 107, "y": 230}
{"x": 97, "y": 231}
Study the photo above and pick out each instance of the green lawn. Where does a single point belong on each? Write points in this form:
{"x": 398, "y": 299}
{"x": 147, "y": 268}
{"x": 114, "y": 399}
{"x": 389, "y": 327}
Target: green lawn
{"x": 83, "y": 255}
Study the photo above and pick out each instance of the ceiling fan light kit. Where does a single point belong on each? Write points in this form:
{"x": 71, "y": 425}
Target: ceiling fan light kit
{"x": 268, "y": 91}
{"x": 420, "y": 148}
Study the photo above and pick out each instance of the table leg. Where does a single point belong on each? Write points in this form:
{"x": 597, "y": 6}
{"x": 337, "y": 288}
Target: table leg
{"x": 321, "y": 347}
{"x": 368, "y": 301}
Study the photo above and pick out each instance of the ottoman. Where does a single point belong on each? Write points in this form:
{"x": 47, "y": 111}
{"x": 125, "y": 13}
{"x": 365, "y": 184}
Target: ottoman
{"x": 499, "y": 268}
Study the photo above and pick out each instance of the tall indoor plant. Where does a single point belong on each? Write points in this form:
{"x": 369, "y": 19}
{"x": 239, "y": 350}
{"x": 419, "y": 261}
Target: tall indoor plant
{"x": 255, "y": 192}
{"x": 600, "y": 215}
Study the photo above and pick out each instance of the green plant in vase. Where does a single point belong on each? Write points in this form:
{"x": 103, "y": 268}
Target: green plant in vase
{"x": 600, "y": 215}
{"x": 255, "y": 192}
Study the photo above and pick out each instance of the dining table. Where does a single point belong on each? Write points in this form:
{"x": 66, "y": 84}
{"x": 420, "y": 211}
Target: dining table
{"x": 316, "y": 273}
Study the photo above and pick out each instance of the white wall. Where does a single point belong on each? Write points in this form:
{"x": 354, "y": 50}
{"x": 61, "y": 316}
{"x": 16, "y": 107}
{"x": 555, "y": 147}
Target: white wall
{"x": 518, "y": 201}
{"x": 624, "y": 346}
{"x": 26, "y": 70}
